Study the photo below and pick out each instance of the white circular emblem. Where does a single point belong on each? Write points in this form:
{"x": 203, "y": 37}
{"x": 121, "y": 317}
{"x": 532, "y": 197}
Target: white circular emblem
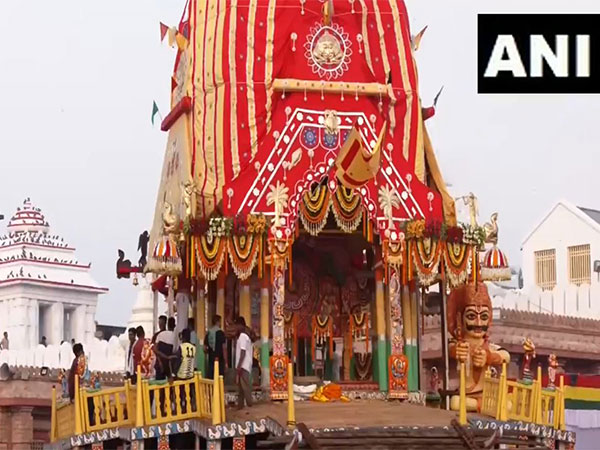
{"x": 328, "y": 50}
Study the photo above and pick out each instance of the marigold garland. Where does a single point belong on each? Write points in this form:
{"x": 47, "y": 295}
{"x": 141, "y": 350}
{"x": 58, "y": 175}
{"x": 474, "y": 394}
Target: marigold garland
{"x": 322, "y": 330}
{"x": 427, "y": 254}
{"x": 457, "y": 261}
{"x": 314, "y": 209}
{"x": 347, "y": 209}
{"x": 359, "y": 328}
{"x": 244, "y": 252}
{"x": 210, "y": 251}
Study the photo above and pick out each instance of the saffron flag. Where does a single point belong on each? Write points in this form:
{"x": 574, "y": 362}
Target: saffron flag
{"x": 163, "y": 31}
{"x": 355, "y": 165}
{"x": 154, "y": 111}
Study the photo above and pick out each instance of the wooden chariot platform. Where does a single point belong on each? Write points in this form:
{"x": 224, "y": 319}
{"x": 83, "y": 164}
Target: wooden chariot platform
{"x": 367, "y": 424}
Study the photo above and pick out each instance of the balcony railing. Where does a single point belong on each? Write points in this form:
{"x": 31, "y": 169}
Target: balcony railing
{"x": 516, "y": 400}
{"x": 146, "y": 403}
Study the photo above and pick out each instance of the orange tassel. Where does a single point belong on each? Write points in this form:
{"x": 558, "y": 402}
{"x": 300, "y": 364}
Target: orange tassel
{"x": 364, "y": 223}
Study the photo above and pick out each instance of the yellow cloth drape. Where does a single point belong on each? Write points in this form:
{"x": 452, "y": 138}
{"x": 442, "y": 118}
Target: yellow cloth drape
{"x": 448, "y": 206}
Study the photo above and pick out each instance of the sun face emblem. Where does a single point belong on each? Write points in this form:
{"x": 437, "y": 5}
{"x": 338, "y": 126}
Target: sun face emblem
{"x": 328, "y": 51}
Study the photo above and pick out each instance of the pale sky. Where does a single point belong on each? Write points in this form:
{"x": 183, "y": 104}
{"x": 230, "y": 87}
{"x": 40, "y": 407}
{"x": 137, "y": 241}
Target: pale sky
{"x": 77, "y": 81}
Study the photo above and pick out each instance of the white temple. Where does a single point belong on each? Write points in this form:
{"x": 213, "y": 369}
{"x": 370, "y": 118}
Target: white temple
{"x": 44, "y": 289}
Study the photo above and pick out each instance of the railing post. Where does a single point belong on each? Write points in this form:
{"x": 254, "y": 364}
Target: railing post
{"x": 78, "y": 404}
{"x": 139, "y": 403}
{"x": 216, "y": 402}
{"x": 291, "y": 422}
{"x": 222, "y": 395}
{"x": 503, "y": 395}
{"x": 537, "y": 397}
{"x": 53, "y": 416}
{"x": 462, "y": 408}
{"x": 561, "y": 404}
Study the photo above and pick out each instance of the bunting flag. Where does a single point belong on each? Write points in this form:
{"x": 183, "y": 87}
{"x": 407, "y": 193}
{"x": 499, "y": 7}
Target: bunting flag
{"x": 163, "y": 31}
{"x": 154, "y": 111}
{"x": 355, "y": 164}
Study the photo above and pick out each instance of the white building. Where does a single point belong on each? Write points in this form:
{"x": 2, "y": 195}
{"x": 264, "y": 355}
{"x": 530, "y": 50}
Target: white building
{"x": 558, "y": 257}
{"x": 44, "y": 289}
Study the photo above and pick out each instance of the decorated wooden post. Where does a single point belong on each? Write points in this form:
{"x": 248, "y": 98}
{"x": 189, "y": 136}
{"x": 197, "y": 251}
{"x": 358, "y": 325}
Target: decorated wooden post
{"x": 264, "y": 332}
{"x": 398, "y": 362}
{"x": 279, "y": 360}
{"x": 380, "y": 325}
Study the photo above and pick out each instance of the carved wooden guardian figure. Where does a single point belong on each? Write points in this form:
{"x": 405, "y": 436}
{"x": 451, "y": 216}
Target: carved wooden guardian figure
{"x": 469, "y": 322}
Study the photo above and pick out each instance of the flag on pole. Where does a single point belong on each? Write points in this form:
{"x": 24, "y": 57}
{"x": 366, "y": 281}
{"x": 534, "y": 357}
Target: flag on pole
{"x": 154, "y": 111}
{"x": 355, "y": 165}
{"x": 163, "y": 31}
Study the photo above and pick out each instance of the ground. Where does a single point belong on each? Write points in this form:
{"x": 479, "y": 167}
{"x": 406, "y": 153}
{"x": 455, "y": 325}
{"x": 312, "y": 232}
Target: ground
{"x": 359, "y": 413}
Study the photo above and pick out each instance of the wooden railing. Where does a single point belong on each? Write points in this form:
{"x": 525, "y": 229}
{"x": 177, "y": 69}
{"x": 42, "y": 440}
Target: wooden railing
{"x": 515, "y": 400}
{"x": 107, "y": 408}
{"x": 146, "y": 403}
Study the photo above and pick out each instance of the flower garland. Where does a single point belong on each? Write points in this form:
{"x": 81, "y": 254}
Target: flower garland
{"x": 427, "y": 255}
{"x": 347, "y": 211}
{"x": 359, "y": 328}
{"x": 457, "y": 261}
{"x": 210, "y": 251}
{"x": 314, "y": 209}
{"x": 322, "y": 330}
{"x": 244, "y": 252}
{"x": 474, "y": 235}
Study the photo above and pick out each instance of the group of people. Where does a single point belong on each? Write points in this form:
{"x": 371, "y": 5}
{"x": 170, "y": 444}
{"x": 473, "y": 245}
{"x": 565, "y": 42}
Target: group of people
{"x": 169, "y": 355}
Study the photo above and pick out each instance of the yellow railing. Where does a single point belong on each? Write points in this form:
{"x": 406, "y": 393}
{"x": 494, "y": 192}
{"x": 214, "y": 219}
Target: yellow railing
{"x": 107, "y": 408}
{"x": 146, "y": 403}
{"x": 514, "y": 400}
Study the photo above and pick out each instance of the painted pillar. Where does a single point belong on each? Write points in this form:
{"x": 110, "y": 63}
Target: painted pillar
{"x": 245, "y": 302}
{"x": 264, "y": 332}
{"x": 279, "y": 360}
{"x": 221, "y": 298}
{"x": 407, "y": 317}
{"x": 397, "y": 362}
{"x": 200, "y": 328}
{"x": 414, "y": 365}
{"x": 380, "y": 318}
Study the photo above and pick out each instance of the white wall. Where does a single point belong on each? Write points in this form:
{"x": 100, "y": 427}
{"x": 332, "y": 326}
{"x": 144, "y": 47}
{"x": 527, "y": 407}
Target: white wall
{"x": 561, "y": 229}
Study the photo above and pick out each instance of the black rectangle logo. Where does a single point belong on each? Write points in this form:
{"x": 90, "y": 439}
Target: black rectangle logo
{"x": 538, "y": 53}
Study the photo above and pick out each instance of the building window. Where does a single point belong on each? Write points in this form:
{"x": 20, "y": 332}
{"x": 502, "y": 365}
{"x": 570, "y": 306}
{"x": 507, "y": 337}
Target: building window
{"x": 545, "y": 269}
{"x": 580, "y": 265}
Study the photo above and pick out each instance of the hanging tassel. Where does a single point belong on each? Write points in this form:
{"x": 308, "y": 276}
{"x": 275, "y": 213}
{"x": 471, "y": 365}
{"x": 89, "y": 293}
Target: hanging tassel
{"x": 331, "y": 343}
{"x": 408, "y": 262}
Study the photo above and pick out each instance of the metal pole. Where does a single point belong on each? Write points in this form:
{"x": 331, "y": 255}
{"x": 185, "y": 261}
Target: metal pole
{"x": 444, "y": 330}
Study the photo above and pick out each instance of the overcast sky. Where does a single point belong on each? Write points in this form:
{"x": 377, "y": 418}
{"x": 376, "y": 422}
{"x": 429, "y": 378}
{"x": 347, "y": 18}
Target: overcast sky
{"x": 77, "y": 81}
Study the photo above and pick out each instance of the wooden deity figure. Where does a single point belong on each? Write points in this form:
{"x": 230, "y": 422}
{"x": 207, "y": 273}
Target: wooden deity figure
{"x": 552, "y": 367}
{"x": 528, "y": 355}
{"x": 469, "y": 322}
